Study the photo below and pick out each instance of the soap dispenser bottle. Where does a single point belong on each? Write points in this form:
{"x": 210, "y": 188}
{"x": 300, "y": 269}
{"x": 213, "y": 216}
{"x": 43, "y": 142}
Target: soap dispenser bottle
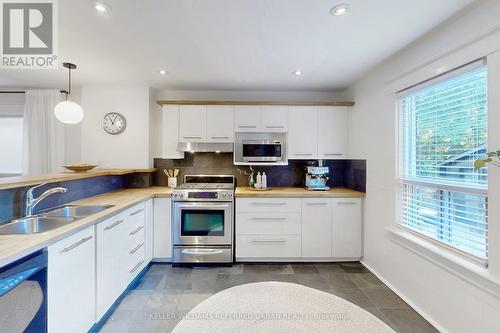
{"x": 258, "y": 183}
{"x": 264, "y": 180}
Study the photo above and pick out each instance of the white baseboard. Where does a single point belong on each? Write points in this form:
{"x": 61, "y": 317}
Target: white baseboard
{"x": 405, "y": 298}
{"x": 162, "y": 260}
{"x": 294, "y": 260}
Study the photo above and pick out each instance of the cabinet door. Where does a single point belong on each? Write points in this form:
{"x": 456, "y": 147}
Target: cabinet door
{"x": 346, "y": 228}
{"x": 274, "y": 118}
{"x": 170, "y": 132}
{"x": 332, "y": 132}
{"x": 112, "y": 274}
{"x": 220, "y": 122}
{"x": 192, "y": 123}
{"x": 247, "y": 118}
{"x": 149, "y": 234}
{"x": 71, "y": 283}
{"x": 163, "y": 229}
{"x": 316, "y": 228}
{"x": 303, "y": 133}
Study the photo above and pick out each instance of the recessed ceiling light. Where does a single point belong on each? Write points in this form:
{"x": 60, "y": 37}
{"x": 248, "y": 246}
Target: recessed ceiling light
{"x": 297, "y": 72}
{"x": 163, "y": 72}
{"x": 340, "y": 9}
{"x": 101, "y": 7}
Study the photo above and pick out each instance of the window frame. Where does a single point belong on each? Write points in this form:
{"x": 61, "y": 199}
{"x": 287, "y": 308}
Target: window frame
{"x": 428, "y": 183}
{"x": 13, "y": 116}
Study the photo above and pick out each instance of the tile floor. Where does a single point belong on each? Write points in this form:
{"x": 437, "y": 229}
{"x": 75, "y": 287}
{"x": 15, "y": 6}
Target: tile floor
{"x": 166, "y": 291}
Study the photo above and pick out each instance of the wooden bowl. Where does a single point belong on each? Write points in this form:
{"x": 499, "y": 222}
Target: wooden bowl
{"x": 80, "y": 167}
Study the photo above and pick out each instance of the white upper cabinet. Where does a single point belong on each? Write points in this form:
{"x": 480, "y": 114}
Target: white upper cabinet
{"x": 247, "y": 118}
{"x": 317, "y": 132}
{"x": 170, "y": 132}
{"x": 220, "y": 122}
{"x": 193, "y": 123}
{"x": 274, "y": 118}
{"x": 303, "y": 132}
{"x": 332, "y": 132}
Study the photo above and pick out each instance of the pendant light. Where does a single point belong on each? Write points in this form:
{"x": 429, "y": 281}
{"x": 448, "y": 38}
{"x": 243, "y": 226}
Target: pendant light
{"x": 68, "y": 112}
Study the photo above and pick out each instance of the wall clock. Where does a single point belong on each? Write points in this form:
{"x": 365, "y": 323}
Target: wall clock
{"x": 114, "y": 123}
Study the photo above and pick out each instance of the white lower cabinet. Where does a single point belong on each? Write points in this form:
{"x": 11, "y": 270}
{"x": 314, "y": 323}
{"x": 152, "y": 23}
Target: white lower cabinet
{"x": 298, "y": 229}
{"x": 316, "y": 228}
{"x": 268, "y": 247}
{"x": 162, "y": 243}
{"x": 121, "y": 245}
{"x": 149, "y": 231}
{"x": 346, "y": 228}
{"x": 71, "y": 283}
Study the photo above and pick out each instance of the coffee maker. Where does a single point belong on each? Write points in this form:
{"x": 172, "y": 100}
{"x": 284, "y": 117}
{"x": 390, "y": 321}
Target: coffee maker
{"x": 317, "y": 177}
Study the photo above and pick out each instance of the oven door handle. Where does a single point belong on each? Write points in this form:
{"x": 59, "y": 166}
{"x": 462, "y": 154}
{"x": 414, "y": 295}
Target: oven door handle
{"x": 209, "y": 206}
{"x": 196, "y": 252}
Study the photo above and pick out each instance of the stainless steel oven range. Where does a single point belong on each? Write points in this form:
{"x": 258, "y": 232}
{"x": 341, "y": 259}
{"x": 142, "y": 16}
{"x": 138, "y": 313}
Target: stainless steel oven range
{"x": 202, "y": 220}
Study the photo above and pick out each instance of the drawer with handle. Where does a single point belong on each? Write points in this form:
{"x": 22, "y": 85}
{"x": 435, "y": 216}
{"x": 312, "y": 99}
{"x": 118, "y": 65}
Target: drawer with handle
{"x": 265, "y": 205}
{"x": 74, "y": 243}
{"x": 135, "y": 254}
{"x": 136, "y": 267}
{"x": 202, "y": 255}
{"x": 268, "y": 246}
{"x": 268, "y": 223}
{"x": 136, "y": 235}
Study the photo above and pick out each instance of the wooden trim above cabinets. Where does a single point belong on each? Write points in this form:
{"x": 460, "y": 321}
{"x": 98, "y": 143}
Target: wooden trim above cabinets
{"x": 295, "y": 103}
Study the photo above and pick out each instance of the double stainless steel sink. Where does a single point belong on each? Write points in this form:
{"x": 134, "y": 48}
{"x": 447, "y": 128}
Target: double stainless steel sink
{"x": 50, "y": 220}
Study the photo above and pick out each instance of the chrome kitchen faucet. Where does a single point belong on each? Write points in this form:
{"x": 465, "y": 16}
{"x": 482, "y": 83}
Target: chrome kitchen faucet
{"x": 31, "y": 202}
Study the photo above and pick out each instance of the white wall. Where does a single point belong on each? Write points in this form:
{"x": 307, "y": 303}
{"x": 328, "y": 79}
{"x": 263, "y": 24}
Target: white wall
{"x": 453, "y": 298}
{"x": 127, "y": 150}
{"x": 155, "y": 125}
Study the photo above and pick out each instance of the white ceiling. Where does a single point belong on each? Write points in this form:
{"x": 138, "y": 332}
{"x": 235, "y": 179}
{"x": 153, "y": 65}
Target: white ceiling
{"x": 233, "y": 44}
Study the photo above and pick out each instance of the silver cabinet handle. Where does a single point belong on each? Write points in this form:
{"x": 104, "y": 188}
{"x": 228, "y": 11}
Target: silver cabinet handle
{"x": 247, "y": 126}
{"x": 137, "y": 212}
{"x": 136, "y": 248}
{"x": 269, "y": 241}
{"x": 80, "y": 242}
{"x": 317, "y": 203}
{"x": 113, "y": 225}
{"x": 303, "y": 154}
{"x": 275, "y": 126}
{"x": 269, "y": 218}
{"x": 219, "y": 137}
{"x": 136, "y": 266}
{"x": 269, "y": 203}
{"x": 333, "y": 154}
{"x": 192, "y": 137}
{"x": 136, "y": 231}
{"x": 347, "y": 203}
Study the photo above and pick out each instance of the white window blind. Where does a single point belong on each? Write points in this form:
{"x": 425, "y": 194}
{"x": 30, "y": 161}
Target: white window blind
{"x": 443, "y": 129}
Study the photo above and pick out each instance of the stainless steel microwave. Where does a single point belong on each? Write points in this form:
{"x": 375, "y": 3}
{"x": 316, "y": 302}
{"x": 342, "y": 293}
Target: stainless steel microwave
{"x": 262, "y": 151}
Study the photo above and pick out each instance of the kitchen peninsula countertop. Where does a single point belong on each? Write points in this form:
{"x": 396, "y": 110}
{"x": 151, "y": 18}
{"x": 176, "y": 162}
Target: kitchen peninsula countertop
{"x": 19, "y": 181}
{"x": 13, "y": 247}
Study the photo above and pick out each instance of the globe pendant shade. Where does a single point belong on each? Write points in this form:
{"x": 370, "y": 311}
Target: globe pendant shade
{"x": 68, "y": 112}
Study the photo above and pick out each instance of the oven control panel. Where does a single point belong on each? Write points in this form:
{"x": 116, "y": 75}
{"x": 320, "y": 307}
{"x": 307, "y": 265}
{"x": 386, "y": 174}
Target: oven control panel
{"x": 202, "y": 196}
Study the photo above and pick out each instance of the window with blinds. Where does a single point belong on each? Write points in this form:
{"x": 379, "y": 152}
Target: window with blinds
{"x": 443, "y": 129}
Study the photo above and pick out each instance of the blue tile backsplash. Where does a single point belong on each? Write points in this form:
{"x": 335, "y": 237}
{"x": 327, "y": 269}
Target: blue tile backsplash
{"x": 12, "y": 200}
